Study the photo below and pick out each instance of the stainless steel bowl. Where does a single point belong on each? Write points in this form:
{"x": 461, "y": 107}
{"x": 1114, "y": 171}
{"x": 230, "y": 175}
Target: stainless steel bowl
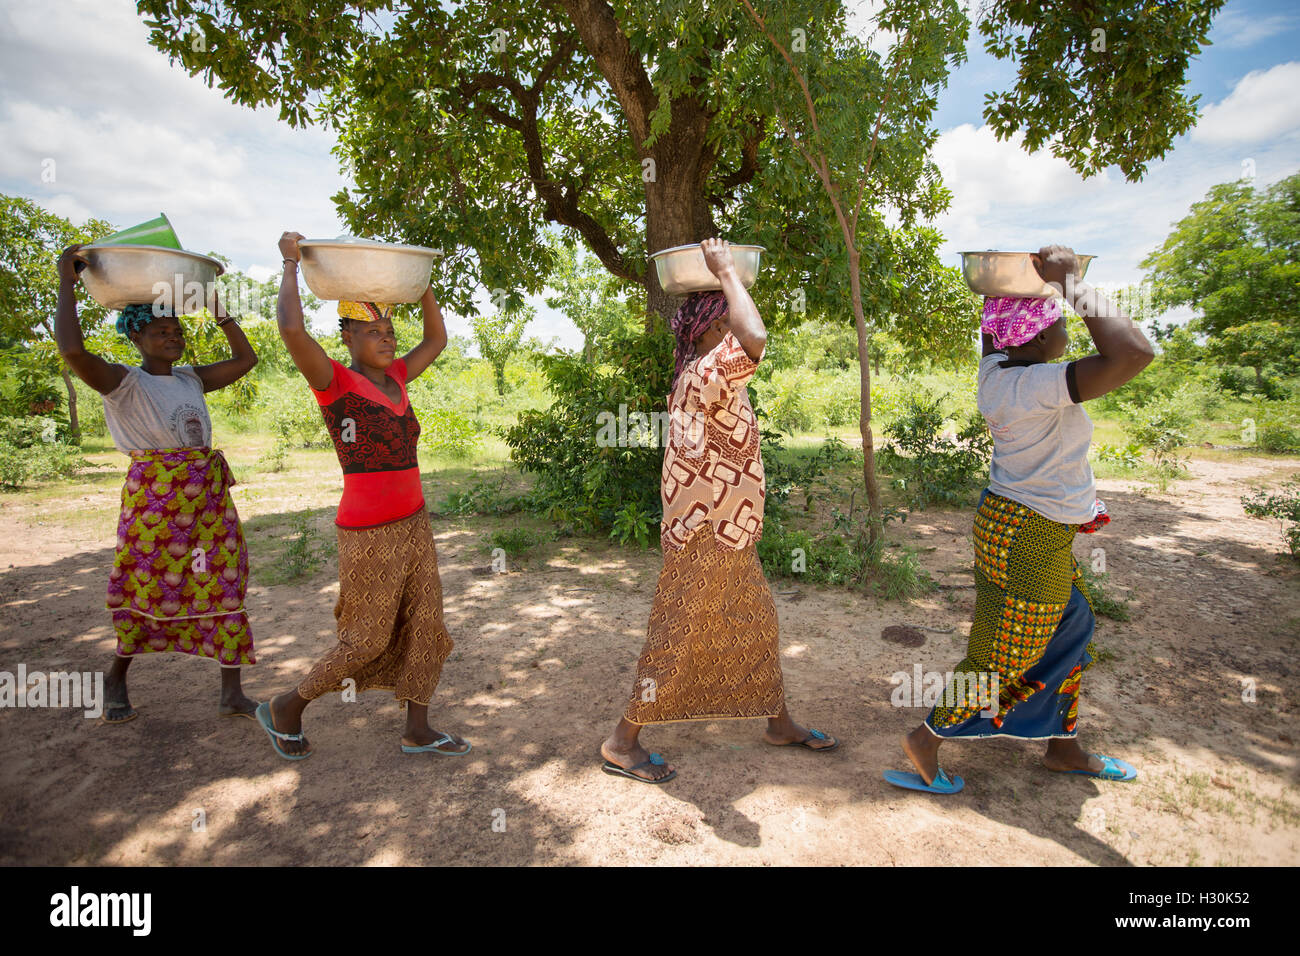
{"x": 681, "y": 269}
{"x": 362, "y": 270}
{"x": 1009, "y": 274}
{"x": 122, "y": 275}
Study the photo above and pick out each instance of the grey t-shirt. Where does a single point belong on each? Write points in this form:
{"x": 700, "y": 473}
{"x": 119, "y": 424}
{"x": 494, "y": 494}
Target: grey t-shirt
{"x": 1040, "y": 439}
{"x": 158, "y": 411}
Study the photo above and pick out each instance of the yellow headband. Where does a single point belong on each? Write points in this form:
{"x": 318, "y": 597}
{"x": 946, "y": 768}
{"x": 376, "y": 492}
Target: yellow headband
{"x": 365, "y": 311}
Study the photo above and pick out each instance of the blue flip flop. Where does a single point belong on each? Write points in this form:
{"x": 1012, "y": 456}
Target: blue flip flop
{"x": 264, "y": 718}
{"x": 914, "y": 781}
{"x": 436, "y": 747}
{"x": 1113, "y": 769}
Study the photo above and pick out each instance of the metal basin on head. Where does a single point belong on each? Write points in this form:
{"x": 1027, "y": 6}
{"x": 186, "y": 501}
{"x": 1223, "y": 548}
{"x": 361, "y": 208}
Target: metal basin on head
{"x": 362, "y": 270}
{"x": 682, "y": 270}
{"x": 1009, "y": 274}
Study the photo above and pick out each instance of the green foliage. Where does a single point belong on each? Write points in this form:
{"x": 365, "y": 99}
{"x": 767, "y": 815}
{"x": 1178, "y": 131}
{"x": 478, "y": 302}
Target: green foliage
{"x": 444, "y": 431}
{"x": 1277, "y": 426}
{"x": 581, "y": 482}
{"x": 896, "y": 575}
{"x": 1104, "y": 603}
{"x": 499, "y": 336}
{"x": 1097, "y": 99}
{"x": 1283, "y": 506}
{"x": 31, "y": 240}
{"x": 587, "y": 295}
{"x": 481, "y": 498}
{"x": 299, "y": 558}
{"x": 33, "y": 449}
{"x": 1162, "y": 428}
{"x": 515, "y": 542}
{"x": 1235, "y": 258}
{"x": 634, "y": 523}
{"x": 1128, "y": 457}
{"x": 274, "y": 457}
{"x": 930, "y": 466}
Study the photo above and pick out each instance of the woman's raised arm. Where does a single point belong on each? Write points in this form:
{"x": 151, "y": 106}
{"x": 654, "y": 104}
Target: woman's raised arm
{"x": 100, "y": 375}
{"x": 305, "y": 351}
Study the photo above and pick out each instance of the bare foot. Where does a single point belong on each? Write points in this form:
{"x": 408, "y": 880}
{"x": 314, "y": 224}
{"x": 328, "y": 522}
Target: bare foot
{"x": 627, "y": 759}
{"x": 922, "y": 748}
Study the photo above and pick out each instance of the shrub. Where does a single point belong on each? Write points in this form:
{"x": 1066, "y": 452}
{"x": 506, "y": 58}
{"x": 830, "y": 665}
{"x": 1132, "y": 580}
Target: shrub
{"x": 790, "y": 400}
{"x": 481, "y": 498}
{"x": 931, "y": 466}
{"x": 31, "y": 449}
{"x": 1236, "y": 380}
{"x": 582, "y": 483}
{"x": 1161, "y": 427}
{"x": 1284, "y": 506}
{"x": 1130, "y": 456}
{"x": 515, "y": 542}
{"x": 446, "y": 432}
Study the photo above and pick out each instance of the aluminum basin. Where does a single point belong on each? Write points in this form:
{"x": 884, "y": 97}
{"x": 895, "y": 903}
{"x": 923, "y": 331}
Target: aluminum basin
{"x": 1009, "y": 274}
{"x": 118, "y": 276}
{"x": 362, "y": 270}
{"x": 682, "y": 270}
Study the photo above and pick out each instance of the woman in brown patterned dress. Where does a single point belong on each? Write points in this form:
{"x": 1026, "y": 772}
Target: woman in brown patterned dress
{"x": 711, "y": 652}
{"x": 391, "y": 633}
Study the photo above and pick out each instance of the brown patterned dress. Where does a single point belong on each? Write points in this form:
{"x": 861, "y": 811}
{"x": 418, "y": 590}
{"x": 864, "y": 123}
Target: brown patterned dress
{"x": 390, "y": 628}
{"x": 711, "y": 649}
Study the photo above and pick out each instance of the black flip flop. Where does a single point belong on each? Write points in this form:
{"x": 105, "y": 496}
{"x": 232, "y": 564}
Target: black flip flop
{"x": 655, "y": 760}
{"x": 812, "y": 735}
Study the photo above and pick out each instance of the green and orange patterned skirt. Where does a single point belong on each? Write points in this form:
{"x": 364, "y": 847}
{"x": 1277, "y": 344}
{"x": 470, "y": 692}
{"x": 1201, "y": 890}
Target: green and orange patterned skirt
{"x": 1032, "y": 634}
{"x": 181, "y": 570}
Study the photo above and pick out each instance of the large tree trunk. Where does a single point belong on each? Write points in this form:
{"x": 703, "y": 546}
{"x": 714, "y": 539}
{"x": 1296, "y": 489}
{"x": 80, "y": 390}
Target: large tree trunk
{"x": 677, "y": 209}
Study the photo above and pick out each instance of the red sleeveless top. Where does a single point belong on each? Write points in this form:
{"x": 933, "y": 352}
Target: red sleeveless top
{"x": 376, "y": 444}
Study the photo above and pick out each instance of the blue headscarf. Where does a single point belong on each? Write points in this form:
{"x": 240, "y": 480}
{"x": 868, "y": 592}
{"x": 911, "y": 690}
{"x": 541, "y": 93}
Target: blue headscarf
{"x": 135, "y": 317}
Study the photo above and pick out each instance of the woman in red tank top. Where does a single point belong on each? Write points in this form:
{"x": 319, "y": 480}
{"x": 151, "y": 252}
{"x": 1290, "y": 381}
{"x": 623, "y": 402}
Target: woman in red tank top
{"x": 391, "y": 634}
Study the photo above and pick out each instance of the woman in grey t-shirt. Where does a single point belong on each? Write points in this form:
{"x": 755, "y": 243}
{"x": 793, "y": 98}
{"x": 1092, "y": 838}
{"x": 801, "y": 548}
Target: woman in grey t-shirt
{"x": 1030, "y": 638}
{"x": 181, "y": 569}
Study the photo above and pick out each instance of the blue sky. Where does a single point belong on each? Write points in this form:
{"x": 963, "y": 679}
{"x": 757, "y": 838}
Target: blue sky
{"x": 122, "y": 135}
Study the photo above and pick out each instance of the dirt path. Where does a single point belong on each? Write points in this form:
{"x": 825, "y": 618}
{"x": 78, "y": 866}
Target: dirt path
{"x": 545, "y": 657}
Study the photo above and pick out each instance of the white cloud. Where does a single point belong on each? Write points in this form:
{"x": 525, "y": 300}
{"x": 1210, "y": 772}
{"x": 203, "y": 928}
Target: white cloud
{"x": 1236, "y": 30}
{"x": 1262, "y": 106}
{"x": 131, "y": 135}
{"x": 1006, "y": 199}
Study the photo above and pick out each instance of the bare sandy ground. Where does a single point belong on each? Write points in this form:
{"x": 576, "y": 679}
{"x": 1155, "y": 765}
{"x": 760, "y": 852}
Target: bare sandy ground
{"x": 544, "y": 661}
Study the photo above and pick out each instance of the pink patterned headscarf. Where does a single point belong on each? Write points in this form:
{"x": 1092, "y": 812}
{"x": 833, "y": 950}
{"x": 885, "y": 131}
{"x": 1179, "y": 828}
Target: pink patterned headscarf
{"x": 691, "y": 319}
{"x": 1013, "y": 321}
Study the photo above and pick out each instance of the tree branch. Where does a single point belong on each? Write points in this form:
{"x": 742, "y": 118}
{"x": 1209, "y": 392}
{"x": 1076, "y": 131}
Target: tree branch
{"x": 617, "y": 62}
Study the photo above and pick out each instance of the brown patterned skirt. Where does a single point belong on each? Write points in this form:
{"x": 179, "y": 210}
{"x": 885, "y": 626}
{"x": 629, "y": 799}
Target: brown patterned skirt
{"x": 711, "y": 651}
{"x": 391, "y": 635}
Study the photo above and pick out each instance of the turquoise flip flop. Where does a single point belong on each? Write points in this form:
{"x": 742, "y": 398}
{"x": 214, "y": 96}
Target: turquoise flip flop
{"x": 1113, "y": 769}
{"x": 914, "y": 781}
{"x": 264, "y": 718}
{"x": 656, "y": 760}
{"x": 436, "y": 747}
